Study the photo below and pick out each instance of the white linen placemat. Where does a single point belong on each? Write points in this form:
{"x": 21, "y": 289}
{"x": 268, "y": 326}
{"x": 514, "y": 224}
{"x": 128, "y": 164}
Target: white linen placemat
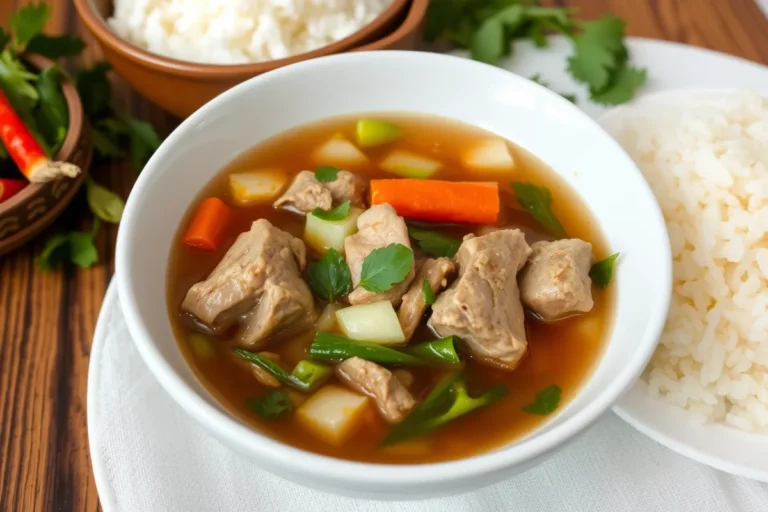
{"x": 148, "y": 456}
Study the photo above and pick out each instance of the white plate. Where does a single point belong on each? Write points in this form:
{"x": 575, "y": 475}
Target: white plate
{"x": 670, "y": 66}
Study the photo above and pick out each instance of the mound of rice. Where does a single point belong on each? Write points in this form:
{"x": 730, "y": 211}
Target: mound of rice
{"x": 239, "y": 31}
{"x": 706, "y": 160}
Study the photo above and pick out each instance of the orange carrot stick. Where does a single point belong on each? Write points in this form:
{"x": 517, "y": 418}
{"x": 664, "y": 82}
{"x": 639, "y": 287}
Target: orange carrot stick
{"x": 32, "y": 161}
{"x": 209, "y": 224}
{"x": 467, "y": 202}
{"x": 9, "y": 188}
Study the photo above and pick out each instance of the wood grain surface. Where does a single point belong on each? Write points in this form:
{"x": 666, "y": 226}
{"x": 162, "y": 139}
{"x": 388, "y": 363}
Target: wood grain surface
{"x": 47, "y": 319}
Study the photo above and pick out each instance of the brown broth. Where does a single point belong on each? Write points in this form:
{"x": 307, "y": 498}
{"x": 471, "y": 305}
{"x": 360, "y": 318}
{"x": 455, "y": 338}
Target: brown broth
{"x": 562, "y": 353}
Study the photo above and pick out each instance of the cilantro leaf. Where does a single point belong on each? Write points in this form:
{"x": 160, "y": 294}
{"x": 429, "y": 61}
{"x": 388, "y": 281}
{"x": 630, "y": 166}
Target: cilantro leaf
{"x": 546, "y": 401}
{"x": 104, "y": 203}
{"x": 94, "y": 89}
{"x": 326, "y": 173}
{"x": 434, "y": 243}
{"x": 28, "y": 22}
{"x": 5, "y": 38}
{"x": 55, "y": 252}
{"x": 386, "y": 266}
{"x": 538, "y": 201}
{"x": 338, "y": 213}
{"x": 426, "y": 290}
{"x": 143, "y": 141}
{"x": 488, "y": 43}
{"x": 82, "y": 250}
{"x": 602, "y": 271}
{"x": 75, "y": 247}
{"x": 53, "y": 113}
{"x": 598, "y": 51}
{"x": 272, "y": 405}
{"x": 622, "y": 87}
{"x": 15, "y": 79}
{"x": 56, "y": 47}
{"x": 329, "y": 278}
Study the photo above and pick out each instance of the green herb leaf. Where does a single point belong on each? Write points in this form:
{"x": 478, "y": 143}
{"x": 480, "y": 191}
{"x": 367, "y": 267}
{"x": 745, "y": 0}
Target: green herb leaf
{"x": 538, "y": 201}
{"x": 104, "y": 143}
{"x": 598, "y": 51}
{"x": 488, "y": 43}
{"x": 16, "y": 81}
{"x": 546, "y": 401}
{"x": 338, "y": 213}
{"x": 272, "y": 405}
{"x": 74, "y": 247}
{"x": 104, "y": 203}
{"x": 82, "y": 250}
{"x": 53, "y": 113}
{"x": 326, "y": 173}
{"x": 28, "y": 22}
{"x": 55, "y": 252}
{"x": 429, "y": 295}
{"x": 622, "y": 87}
{"x": 4, "y": 38}
{"x": 94, "y": 89}
{"x": 329, "y": 278}
{"x": 602, "y": 271}
{"x": 434, "y": 243}
{"x": 143, "y": 141}
{"x": 56, "y": 47}
{"x": 384, "y": 267}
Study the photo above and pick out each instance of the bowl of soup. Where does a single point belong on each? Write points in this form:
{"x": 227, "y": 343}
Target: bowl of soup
{"x": 393, "y": 275}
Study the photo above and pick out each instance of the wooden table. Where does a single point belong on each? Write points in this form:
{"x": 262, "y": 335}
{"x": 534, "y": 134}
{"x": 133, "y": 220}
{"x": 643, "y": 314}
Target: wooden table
{"x": 47, "y": 319}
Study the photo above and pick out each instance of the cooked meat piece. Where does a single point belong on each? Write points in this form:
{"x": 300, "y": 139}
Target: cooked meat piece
{"x": 404, "y": 376}
{"x": 305, "y": 193}
{"x": 378, "y": 227}
{"x": 436, "y": 272}
{"x": 555, "y": 282}
{"x": 257, "y": 284}
{"x": 483, "y": 306}
{"x": 263, "y": 376}
{"x": 392, "y": 398}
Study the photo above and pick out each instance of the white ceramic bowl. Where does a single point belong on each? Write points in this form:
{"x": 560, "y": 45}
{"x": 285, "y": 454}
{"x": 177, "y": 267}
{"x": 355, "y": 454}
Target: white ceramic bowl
{"x": 518, "y": 109}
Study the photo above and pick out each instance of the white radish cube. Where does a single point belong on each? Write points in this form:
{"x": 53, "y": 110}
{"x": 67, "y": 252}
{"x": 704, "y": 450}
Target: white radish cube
{"x": 249, "y": 188}
{"x": 376, "y": 322}
{"x": 325, "y": 234}
{"x": 410, "y": 165}
{"x": 492, "y": 154}
{"x": 333, "y": 414}
{"x": 340, "y": 152}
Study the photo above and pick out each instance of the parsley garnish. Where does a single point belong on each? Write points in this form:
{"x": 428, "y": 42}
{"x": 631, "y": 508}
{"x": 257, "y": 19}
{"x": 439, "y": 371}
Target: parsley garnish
{"x": 546, "y": 401}
{"x": 429, "y": 295}
{"x": 602, "y": 271}
{"x": 385, "y": 267}
{"x": 272, "y": 405}
{"x": 326, "y": 173}
{"x": 538, "y": 201}
{"x": 329, "y": 277}
{"x": 338, "y": 213}
{"x": 434, "y": 243}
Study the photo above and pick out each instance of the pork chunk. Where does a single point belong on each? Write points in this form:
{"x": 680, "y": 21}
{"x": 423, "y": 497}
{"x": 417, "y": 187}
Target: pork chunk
{"x": 392, "y": 398}
{"x": 257, "y": 285}
{"x": 483, "y": 306}
{"x": 305, "y": 193}
{"x": 555, "y": 282}
{"x": 378, "y": 227}
{"x": 436, "y": 272}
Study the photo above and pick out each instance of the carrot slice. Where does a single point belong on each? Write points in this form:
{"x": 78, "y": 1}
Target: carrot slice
{"x": 467, "y": 202}
{"x": 209, "y": 224}
{"x": 10, "y": 187}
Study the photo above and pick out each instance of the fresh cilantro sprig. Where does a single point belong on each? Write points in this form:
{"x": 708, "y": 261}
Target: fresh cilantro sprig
{"x": 487, "y": 29}
{"x": 271, "y": 406}
{"x": 546, "y": 401}
{"x": 385, "y": 267}
{"x": 329, "y": 278}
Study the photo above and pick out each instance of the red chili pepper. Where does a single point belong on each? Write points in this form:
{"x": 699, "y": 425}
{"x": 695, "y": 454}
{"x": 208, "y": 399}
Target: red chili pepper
{"x": 25, "y": 151}
{"x": 9, "y": 188}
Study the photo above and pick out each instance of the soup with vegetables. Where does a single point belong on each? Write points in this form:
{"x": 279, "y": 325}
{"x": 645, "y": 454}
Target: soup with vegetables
{"x": 395, "y": 289}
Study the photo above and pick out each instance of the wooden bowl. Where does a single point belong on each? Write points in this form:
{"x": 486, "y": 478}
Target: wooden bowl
{"x": 182, "y": 87}
{"x": 30, "y": 211}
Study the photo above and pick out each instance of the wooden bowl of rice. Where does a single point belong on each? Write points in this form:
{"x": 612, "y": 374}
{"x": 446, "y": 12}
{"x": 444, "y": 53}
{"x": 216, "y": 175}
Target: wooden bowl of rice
{"x": 24, "y": 215}
{"x": 181, "y": 87}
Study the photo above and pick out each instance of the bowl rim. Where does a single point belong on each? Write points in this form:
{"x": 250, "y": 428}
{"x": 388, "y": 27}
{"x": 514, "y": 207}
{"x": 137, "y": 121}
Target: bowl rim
{"x": 75, "y": 128}
{"x": 307, "y": 464}
{"x": 106, "y": 36}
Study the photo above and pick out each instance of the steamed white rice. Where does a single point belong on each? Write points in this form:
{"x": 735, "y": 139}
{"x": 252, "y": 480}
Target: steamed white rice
{"x": 239, "y": 31}
{"x": 707, "y": 162}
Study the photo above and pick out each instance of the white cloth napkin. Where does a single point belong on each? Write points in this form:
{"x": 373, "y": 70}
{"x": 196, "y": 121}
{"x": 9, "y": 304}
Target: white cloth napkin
{"x": 148, "y": 456}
